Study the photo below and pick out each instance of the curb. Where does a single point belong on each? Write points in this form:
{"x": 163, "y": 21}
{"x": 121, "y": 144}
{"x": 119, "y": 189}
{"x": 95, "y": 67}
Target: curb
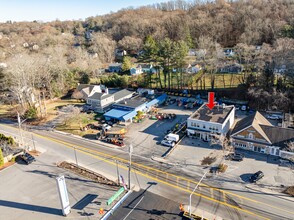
{"x": 110, "y": 212}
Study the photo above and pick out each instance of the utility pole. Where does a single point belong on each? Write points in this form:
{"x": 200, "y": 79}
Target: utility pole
{"x": 130, "y": 164}
{"x": 76, "y": 156}
{"x": 19, "y": 127}
{"x": 190, "y": 199}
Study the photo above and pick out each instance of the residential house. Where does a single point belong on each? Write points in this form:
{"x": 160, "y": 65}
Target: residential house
{"x": 148, "y": 68}
{"x": 232, "y": 68}
{"x": 136, "y": 70}
{"x": 194, "y": 68}
{"x": 205, "y": 123}
{"x": 88, "y": 90}
{"x": 115, "y": 67}
{"x": 102, "y": 102}
{"x": 256, "y": 133}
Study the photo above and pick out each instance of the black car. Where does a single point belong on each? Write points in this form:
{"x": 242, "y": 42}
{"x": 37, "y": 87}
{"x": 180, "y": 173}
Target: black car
{"x": 27, "y": 158}
{"x": 256, "y": 176}
{"x": 234, "y": 156}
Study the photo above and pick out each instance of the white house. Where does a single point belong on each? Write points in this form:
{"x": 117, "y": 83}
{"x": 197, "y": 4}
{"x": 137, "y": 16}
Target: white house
{"x": 101, "y": 102}
{"x": 136, "y": 70}
{"x": 204, "y": 123}
{"x": 88, "y": 90}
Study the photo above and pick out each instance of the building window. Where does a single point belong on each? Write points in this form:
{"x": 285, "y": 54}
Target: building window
{"x": 203, "y": 126}
{"x": 250, "y": 136}
{"x": 197, "y": 125}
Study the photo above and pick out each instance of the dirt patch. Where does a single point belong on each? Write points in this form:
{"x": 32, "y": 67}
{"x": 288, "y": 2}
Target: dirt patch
{"x": 290, "y": 190}
{"x": 35, "y": 152}
{"x": 208, "y": 160}
{"x": 8, "y": 164}
{"x": 86, "y": 173}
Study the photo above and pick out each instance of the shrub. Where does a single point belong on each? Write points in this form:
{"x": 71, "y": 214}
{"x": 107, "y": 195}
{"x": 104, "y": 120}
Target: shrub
{"x": 208, "y": 160}
{"x": 290, "y": 190}
{"x": 1, "y": 158}
{"x": 31, "y": 113}
{"x": 12, "y": 160}
{"x": 222, "y": 168}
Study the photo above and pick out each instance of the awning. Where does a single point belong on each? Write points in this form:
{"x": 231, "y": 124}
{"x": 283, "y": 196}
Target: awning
{"x": 130, "y": 115}
{"x": 116, "y": 114}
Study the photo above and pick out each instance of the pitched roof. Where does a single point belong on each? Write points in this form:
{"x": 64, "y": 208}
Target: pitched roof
{"x": 254, "y": 120}
{"x": 100, "y": 96}
{"x": 277, "y": 135}
{"x": 121, "y": 94}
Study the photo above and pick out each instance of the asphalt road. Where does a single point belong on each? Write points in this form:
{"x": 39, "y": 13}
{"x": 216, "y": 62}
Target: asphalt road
{"x": 172, "y": 183}
{"x": 146, "y": 205}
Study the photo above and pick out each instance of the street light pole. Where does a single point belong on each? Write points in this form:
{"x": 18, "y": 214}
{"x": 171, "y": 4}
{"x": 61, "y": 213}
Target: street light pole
{"x": 190, "y": 200}
{"x": 130, "y": 164}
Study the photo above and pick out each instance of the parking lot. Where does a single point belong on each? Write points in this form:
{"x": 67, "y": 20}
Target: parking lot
{"x": 274, "y": 174}
{"x": 34, "y": 194}
{"x": 147, "y": 135}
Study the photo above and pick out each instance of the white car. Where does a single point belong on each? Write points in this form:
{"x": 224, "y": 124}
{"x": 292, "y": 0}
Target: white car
{"x": 273, "y": 117}
{"x": 168, "y": 143}
{"x": 106, "y": 127}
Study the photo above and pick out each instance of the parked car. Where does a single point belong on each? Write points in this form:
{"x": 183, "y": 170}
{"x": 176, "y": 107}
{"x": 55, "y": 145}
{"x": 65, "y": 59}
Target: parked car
{"x": 256, "y": 176}
{"x": 273, "y": 117}
{"x": 168, "y": 143}
{"x": 106, "y": 127}
{"x": 27, "y": 158}
{"x": 234, "y": 156}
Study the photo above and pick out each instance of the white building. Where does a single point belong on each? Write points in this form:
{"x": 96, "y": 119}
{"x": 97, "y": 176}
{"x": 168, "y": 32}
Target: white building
{"x": 204, "y": 123}
{"x": 101, "y": 102}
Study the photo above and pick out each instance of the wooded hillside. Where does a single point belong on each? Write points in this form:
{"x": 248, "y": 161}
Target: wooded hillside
{"x": 48, "y": 59}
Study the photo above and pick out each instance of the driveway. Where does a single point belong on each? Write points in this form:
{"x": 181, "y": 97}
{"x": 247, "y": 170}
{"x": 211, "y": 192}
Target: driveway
{"x": 147, "y": 135}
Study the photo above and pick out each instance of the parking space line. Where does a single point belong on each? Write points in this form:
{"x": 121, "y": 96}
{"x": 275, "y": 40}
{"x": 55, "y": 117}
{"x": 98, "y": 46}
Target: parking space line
{"x": 224, "y": 196}
{"x": 109, "y": 157}
{"x": 211, "y": 192}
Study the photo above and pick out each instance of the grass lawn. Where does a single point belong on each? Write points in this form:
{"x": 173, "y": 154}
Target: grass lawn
{"x": 6, "y": 110}
{"x": 226, "y": 80}
{"x": 73, "y": 125}
{"x": 53, "y": 106}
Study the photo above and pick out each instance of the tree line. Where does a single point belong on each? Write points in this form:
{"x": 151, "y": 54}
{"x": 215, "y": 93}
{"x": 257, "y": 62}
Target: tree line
{"x": 44, "y": 60}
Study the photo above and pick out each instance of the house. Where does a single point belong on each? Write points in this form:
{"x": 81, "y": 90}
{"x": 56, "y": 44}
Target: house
{"x": 229, "y": 52}
{"x": 101, "y": 102}
{"x": 86, "y": 90}
{"x": 148, "y": 68}
{"x": 120, "y": 52}
{"x": 115, "y": 67}
{"x": 205, "y": 123}
{"x": 194, "y": 68}
{"x": 136, "y": 70}
{"x": 233, "y": 68}
{"x": 256, "y": 133}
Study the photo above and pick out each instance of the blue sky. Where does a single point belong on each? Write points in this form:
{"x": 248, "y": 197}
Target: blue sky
{"x": 48, "y": 10}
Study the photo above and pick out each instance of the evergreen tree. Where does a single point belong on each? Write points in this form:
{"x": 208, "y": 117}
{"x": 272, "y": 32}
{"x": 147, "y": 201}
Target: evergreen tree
{"x": 127, "y": 64}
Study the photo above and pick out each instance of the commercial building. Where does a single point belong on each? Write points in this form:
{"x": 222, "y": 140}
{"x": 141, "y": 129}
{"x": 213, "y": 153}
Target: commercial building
{"x": 205, "y": 123}
{"x": 256, "y": 133}
{"x": 127, "y": 109}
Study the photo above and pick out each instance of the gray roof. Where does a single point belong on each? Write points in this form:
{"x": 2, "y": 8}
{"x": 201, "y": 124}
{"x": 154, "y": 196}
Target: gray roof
{"x": 278, "y": 136}
{"x": 133, "y": 102}
{"x": 218, "y": 114}
{"x": 255, "y": 120}
{"x": 100, "y": 96}
{"x": 121, "y": 94}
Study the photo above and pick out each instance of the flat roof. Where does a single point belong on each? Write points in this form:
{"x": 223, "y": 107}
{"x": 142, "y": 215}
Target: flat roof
{"x": 218, "y": 114}
{"x": 132, "y": 102}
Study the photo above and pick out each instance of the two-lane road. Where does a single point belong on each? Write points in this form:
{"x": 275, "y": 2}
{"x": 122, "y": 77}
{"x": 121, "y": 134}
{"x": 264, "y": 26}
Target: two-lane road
{"x": 172, "y": 182}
